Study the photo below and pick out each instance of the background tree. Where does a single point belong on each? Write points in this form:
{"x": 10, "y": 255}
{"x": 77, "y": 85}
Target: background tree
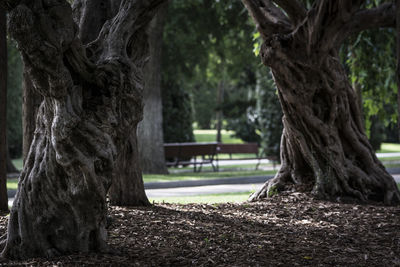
{"x": 3, "y": 111}
{"x": 150, "y": 132}
{"x": 92, "y": 104}
{"x": 14, "y": 128}
{"x": 324, "y": 148}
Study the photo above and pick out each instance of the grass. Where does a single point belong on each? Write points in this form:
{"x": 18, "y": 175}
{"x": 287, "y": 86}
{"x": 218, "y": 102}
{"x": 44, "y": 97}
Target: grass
{"x": 202, "y": 175}
{"x": 211, "y": 135}
{"x": 12, "y": 183}
{"x": 389, "y": 147}
{"x": 209, "y": 199}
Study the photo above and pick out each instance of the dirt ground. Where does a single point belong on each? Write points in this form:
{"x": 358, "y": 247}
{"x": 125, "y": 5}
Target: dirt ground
{"x": 287, "y": 230}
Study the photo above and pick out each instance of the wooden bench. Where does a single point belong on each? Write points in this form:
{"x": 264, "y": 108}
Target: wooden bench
{"x": 187, "y": 154}
{"x": 247, "y": 148}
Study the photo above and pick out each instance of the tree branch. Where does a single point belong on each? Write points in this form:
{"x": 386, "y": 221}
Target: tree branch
{"x": 295, "y": 10}
{"x": 269, "y": 18}
{"x": 379, "y": 17}
{"x": 117, "y": 32}
{"x": 382, "y": 16}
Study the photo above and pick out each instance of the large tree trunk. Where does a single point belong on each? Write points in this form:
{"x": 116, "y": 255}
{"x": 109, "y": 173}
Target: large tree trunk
{"x": 150, "y": 130}
{"x": 92, "y": 102}
{"x": 127, "y": 188}
{"x": 30, "y": 105}
{"x": 324, "y": 149}
{"x": 3, "y": 112}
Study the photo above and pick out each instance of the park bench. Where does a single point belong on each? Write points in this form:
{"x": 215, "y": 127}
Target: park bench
{"x": 177, "y": 154}
{"x": 247, "y": 148}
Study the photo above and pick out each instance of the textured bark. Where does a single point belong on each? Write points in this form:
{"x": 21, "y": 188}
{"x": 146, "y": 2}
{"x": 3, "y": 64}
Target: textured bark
{"x": 150, "y": 131}
{"x": 3, "y": 112}
{"x": 92, "y": 102}
{"x": 127, "y": 188}
{"x": 398, "y": 63}
{"x": 30, "y": 107}
{"x": 324, "y": 149}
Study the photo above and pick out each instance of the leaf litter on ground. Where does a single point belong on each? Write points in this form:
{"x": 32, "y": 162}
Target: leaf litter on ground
{"x": 291, "y": 229}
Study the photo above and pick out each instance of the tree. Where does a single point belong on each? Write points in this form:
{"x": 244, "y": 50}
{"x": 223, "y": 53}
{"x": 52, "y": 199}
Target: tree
{"x": 92, "y": 103}
{"x": 30, "y": 106}
{"x": 150, "y": 132}
{"x": 127, "y": 188}
{"x": 324, "y": 148}
{"x": 3, "y": 111}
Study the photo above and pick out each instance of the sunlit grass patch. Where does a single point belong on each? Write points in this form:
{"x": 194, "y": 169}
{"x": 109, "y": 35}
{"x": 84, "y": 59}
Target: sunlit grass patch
{"x": 202, "y": 175}
{"x": 389, "y": 147}
{"x": 209, "y": 199}
{"x": 12, "y": 183}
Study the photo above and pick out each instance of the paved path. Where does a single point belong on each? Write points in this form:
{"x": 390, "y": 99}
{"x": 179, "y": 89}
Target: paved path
{"x": 212, "y": 189}
{"x": 208, "y": 186}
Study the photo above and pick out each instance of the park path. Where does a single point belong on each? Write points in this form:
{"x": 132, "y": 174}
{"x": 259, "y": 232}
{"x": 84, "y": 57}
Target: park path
{"x": 213, "y": 188}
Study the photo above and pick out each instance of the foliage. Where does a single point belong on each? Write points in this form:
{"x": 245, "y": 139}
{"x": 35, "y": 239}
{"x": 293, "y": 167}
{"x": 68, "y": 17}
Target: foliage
{"x": 370, "y": 59}
{"x": 177, "y": 119}
{"x": 14, "y": 100}
{"x": 201, "y": 55}
{"x": 269, "y": 115}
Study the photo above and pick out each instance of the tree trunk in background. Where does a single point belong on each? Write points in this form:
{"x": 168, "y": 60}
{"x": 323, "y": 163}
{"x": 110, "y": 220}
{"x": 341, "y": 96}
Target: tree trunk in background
{"x": 30, "y": 105}
{"x": 92, "y": 102}
{"x": 219, "y": 117}
{"x": 3, "y": 111}
{"x": 150, "y": 130}
{"x": 324, "y": 149}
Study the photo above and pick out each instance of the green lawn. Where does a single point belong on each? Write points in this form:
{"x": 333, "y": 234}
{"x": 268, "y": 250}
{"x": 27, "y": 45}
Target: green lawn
{"x": 12, "y": 183}
{"x": 202, "y": 175}
{"x": 211, "y": 136}
{"x": 209, "y": 199}
{"x": 389, "y": 147}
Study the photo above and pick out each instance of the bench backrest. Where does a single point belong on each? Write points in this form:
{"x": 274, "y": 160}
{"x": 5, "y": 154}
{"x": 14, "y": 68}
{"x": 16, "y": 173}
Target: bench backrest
{"x": 183, "y": 150}
{"x": 248, "y": 148}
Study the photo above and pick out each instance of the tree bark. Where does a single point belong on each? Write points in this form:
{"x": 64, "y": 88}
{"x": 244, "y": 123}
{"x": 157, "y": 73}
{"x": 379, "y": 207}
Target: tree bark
{"x": 3, "y": 111}
{"x": 219, "y": 117}
{"x": 324, "y": 149}
{"x": 92, "y": 102}
{"x": 90, "y": 15}
{"x": 398, "y": 63}
{"x": 150, "y": 130}
{"x": 30, "y": 105}
{"x": 128, "y": 188}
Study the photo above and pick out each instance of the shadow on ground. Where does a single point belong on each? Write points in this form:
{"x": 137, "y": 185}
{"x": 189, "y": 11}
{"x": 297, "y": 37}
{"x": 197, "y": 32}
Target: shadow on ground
{"x": 286, "y": 230}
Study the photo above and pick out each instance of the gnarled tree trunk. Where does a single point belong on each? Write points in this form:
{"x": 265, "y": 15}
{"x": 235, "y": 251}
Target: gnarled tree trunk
{"x": 150, "y": 130}
{"x": 324, "y": 148}
{"x": 127, "y": 188}
{"x": 92, "y": 102}
{"x": 30, "y": 106}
